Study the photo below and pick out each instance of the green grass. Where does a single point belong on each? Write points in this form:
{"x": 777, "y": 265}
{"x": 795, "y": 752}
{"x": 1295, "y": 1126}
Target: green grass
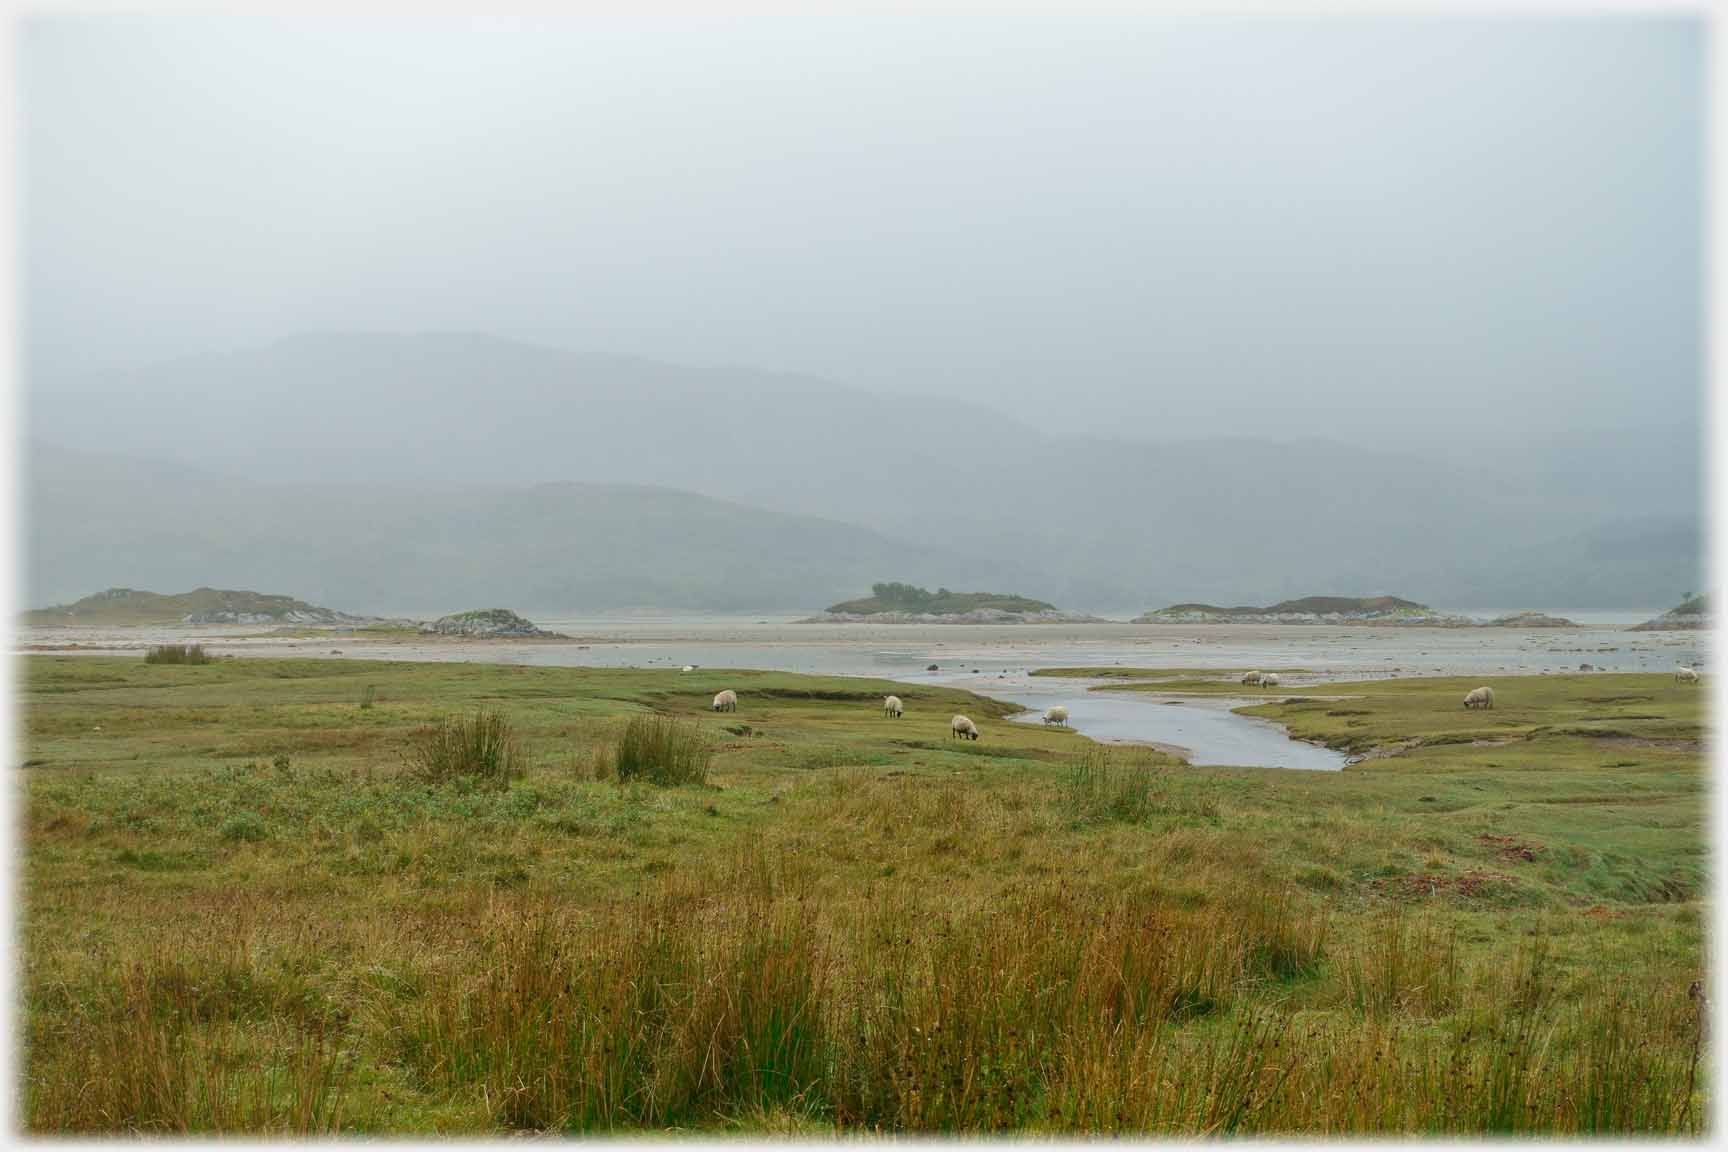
{"x": 244, "y": 912}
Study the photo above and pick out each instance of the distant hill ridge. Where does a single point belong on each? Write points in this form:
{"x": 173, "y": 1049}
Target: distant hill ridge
{"x": 199, "y": 606}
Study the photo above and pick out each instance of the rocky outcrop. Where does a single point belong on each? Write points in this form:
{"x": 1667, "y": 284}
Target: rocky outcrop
{"x": 489, "y": 624}
{"x": 1532, "y": 620}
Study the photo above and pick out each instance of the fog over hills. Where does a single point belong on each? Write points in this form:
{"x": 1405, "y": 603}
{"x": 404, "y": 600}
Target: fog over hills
{"x": 418, "y": 472}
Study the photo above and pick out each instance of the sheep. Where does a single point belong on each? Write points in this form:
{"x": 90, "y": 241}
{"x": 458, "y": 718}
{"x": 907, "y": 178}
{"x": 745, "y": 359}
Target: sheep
{"x": 1056, "y": 714}
{"x": 891, "y": 706}
{"x": 962, "y": 727}
{"x": 1686, "y": 676}
{"x": 1269, "y": 680}
{"x": 1479, "y": 698}
{"x": 726, "y": 701}
{"x": 1251, "y": 678}
{"x": 689, "y": 668}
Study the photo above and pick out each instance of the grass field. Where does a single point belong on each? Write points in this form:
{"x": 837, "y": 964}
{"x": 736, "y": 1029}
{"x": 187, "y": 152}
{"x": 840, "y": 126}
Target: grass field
{"x": 246, "y": 910}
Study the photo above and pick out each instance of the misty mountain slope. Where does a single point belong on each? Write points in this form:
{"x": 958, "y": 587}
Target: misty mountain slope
{"x": 1089, "y": 523}
{"x": 97, "y": 521}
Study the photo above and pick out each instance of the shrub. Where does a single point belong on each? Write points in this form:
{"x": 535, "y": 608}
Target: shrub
{"x": 481, "y": 747}
{"x": 246, "y": 827}
{"x": 176, "y": 654}
{"x": 662, "y": 750}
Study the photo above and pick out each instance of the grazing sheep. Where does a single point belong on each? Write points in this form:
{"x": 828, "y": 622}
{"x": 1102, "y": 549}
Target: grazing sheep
{"x": 1686, "y": 676}
{"x": 1056, "y": 715}
{"x": 726, "y": 701}
{"x": 689, "y": 668}
{"x": 962, "y": 727}
{"x": 1269, "y": 680}
{"x": 1479, "y": 698}
{"x": 891, "y": 706}
{"x": 1251, "y": 678}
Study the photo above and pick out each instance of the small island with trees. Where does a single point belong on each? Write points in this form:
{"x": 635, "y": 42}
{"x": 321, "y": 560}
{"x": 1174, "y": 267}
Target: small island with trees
{"x": 893, "y": 602}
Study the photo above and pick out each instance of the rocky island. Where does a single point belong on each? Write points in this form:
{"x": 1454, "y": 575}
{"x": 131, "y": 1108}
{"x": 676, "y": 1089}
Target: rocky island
{"x": 1693, "y": 614}
{"x": 1531, "y": 620}
{"x": 1308, "y": 610}
{"x": 129, "y": 606}
{"x": 896, "y": 603}
{"x": 489, "y": 624}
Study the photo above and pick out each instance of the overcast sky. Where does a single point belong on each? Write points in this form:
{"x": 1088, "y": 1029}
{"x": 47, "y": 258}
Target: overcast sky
{"x": 1397, "y": 229}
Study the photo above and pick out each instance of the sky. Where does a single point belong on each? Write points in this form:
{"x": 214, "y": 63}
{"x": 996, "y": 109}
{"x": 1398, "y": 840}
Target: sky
{"x": 1407, "y": 231}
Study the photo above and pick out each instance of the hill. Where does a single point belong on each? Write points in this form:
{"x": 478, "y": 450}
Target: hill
{"x": 128, "y": 606}
{"x": 1096, "y": 523}
{"x": 422, "y": 550}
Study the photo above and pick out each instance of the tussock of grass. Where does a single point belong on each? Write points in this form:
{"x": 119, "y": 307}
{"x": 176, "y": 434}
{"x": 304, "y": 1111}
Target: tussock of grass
{"x": 663, "y": 750}
{"x": 176, "y": 654}
{"x": 1113, "y": 784}
{"x": 481, "y": 747}
{"x": 1127, "y": 784}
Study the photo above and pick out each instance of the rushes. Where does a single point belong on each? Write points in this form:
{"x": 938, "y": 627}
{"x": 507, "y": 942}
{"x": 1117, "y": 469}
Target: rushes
{"x": 1405, "y": 966}
{"x": 662, "y": 750}
{"x": 176, "y": 654}
{"x": 482, "y": 748}
{"x": 172, "y": 1051}
{"x": 729, "y": 996}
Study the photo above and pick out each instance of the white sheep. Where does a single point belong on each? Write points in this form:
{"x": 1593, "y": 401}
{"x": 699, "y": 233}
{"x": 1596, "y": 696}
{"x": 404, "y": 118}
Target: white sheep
{"x": 1686, "y": 676}
{"x": 1056, "y": 714}
{"x": 1269, "y": 680}
{"x": 1251, "y": 678}
{"x": 891, "y": 706}
{"x": 726, "y": 701}
{"x": 689, "y": 668}
{"x": 1479, "y": 697}
{"x": 962, "y": 727}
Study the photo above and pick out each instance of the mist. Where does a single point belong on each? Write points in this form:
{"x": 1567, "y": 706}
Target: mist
{"x": 1471, "y": 246}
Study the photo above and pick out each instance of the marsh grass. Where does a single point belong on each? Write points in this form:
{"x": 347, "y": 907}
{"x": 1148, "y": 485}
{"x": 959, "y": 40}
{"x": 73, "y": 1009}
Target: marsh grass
{"x": 176, "y": 654}
{"x": 663, "y": 750}
{"x": 941, "y": 948}
{"x": 178, "y": 1049}
{"x": 481, "y": 747}
{"x": 1407, "y": 966}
